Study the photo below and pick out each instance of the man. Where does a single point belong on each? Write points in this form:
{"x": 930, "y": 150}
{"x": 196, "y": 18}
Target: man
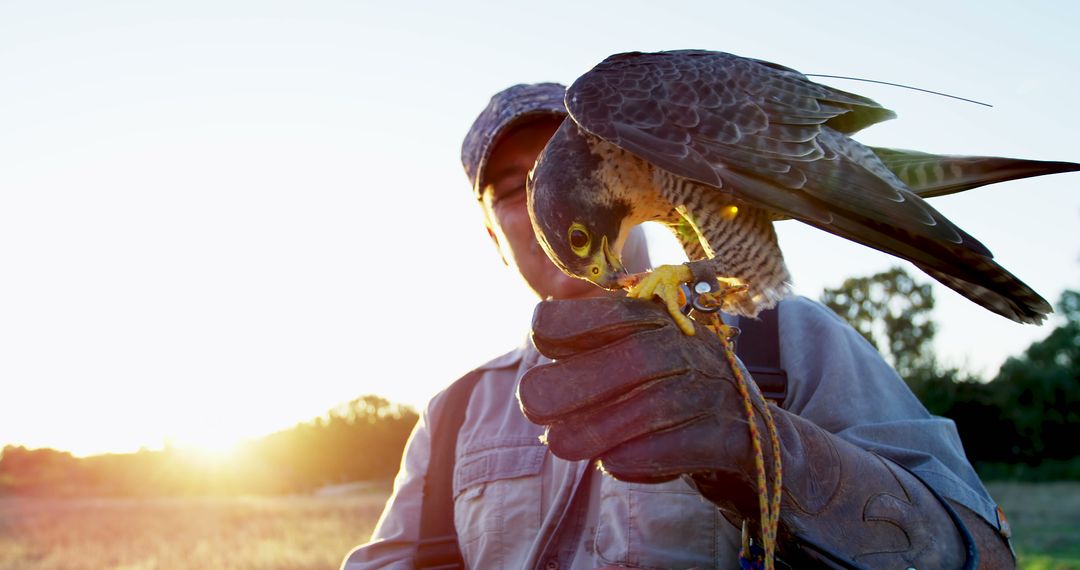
{"x": 860, "y": 453}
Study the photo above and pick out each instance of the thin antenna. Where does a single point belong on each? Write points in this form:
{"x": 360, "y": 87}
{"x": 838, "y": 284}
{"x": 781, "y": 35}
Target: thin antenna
{"x": 899, "y": 85}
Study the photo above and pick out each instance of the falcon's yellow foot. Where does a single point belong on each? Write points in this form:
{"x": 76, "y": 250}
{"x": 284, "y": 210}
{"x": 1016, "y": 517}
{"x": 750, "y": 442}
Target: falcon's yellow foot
{"x": 664, "y": 282}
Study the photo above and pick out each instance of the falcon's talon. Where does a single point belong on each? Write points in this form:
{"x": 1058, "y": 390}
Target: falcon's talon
{"x": 665, "y": 282}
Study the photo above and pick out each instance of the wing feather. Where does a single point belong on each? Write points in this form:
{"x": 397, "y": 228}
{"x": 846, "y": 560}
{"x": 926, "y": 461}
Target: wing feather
{"x": 773, "y": 138}
{"x": 714, "y": 117}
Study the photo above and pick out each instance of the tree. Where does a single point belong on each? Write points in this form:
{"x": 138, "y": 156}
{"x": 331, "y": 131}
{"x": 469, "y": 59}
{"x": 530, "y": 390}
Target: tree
{"x": 892, "y": 311}
{"x": 1039, "y": 391}
{"x": 1030, "y": 412}
{"x": 35, "y": 471}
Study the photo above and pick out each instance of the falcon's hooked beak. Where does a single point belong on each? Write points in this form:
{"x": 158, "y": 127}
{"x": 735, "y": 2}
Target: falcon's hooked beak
{"x": 609, "y": 265}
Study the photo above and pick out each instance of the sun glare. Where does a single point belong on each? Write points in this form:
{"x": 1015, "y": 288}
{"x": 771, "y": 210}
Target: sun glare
{"x": 208, "y": 450}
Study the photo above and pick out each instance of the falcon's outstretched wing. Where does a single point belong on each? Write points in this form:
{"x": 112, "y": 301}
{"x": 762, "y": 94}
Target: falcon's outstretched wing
{"x": 777, "y": 140}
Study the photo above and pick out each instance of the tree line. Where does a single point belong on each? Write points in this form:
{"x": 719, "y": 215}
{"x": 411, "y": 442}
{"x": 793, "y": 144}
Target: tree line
{"x": 1023, "y": 423}
{"x": 358, "y": 441}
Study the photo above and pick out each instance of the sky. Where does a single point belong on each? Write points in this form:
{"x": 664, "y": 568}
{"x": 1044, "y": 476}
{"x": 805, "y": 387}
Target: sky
{"x": 219, "y": 218}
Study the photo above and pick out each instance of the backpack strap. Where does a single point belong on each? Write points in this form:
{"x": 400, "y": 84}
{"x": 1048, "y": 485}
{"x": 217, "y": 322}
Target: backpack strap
{"x": 758, "y": 346}
{"x": 437, "y": 548}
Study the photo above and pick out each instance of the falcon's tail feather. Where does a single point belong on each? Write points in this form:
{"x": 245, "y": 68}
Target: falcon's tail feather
{"x": 1013, "y": 300}
{"x": 931, "y": 175}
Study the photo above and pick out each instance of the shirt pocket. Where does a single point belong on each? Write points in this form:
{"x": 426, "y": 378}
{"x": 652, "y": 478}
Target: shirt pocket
{"x": 497, "y": 493}
{"x": 667, "y": 525}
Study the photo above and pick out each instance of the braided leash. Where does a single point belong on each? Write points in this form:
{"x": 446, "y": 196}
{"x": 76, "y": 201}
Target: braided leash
{"x": 768, "y": 504}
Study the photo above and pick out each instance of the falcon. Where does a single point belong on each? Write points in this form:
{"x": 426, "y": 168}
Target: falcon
{"x": 718, "y": 147}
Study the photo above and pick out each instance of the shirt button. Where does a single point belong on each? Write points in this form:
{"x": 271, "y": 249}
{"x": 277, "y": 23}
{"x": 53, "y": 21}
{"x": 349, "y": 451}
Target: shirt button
{"x": 551, "y": 564}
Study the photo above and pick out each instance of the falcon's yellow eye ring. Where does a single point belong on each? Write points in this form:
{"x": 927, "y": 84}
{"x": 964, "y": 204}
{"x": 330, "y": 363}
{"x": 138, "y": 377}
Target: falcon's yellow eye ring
{"x": 580, "y": 240}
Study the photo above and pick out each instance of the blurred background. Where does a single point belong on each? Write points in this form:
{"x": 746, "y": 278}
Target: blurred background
{"x": 238, "y": 252}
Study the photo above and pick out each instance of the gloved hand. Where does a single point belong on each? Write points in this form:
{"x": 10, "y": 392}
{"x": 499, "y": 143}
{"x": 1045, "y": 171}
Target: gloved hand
{"x": 629, "y": 388}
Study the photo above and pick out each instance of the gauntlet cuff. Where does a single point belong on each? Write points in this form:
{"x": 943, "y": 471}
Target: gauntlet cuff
{"x": 845, "y": 507}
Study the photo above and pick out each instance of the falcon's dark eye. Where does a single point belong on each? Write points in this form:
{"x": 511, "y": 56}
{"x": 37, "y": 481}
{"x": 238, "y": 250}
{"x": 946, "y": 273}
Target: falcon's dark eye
{"x": 578, "y": 239}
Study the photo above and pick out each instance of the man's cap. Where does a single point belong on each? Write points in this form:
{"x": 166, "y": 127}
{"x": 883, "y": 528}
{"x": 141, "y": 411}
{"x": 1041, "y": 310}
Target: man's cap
{"x": 508, "y": 108}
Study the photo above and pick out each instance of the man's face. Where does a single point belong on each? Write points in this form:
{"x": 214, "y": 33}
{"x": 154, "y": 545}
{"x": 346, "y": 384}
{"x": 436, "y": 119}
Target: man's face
{"x": 503, "y": 186}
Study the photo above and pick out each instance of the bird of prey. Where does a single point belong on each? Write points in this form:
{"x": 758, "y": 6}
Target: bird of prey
{"x": 718, "y": 147}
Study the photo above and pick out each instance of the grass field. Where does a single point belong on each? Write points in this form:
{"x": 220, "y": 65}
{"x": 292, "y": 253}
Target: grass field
{"x": 1045, "y": 518}
{"x": 211, "y": 533}
{"x": 316, "y": 532}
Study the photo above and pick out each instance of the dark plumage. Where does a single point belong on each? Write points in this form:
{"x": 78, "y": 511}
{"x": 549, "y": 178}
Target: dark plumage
{"x": 719, "y": 146}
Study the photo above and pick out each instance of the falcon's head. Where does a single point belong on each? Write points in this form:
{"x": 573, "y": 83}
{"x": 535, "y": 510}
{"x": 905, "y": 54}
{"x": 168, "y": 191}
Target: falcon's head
{"x": 579, "y": 220}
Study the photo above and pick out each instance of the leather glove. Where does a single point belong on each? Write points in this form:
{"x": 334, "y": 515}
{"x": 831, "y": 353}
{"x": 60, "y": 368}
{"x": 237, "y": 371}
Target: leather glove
{"x": 629, "y": 388}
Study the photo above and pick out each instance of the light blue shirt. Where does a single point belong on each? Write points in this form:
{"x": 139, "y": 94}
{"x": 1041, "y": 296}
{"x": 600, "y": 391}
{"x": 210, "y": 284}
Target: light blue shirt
{"x": 518, "y": 506}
